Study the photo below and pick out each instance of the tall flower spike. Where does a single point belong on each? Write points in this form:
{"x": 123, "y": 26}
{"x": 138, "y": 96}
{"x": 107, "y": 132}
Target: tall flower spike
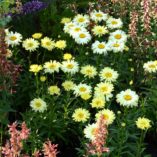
{"x": 146, "y": 9}
{"x": 97, "y": 146}
{"x": 133, "y": 24}
{"x": 24, "y": 132}
{"x": 50, "y": 150}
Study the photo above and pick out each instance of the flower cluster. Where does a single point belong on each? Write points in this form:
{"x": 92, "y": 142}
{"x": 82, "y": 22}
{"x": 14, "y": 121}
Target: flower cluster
{"x": 78, "y": 30}
{"x": 14, "y": 146}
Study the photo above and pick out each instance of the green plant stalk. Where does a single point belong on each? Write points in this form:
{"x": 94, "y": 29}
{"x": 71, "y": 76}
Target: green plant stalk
{"x": 37, "y": 84}
{"x": 139, "y": 153}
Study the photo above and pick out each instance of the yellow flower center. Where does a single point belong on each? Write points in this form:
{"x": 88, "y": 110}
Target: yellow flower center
{"x": 89, "y": 71}
{"x": 114, "y": 22}
{"x": 106, "y": 117}
{"x": 71, "y": 25}
{"x": 81, "y": 19}
{"x": 127, "y": 97}
{"x": 38, "y": 104}
{"x": 108, "y": 75}
{"x": 98, "y": 15}
{"x": 116, "y": 45}
{"x": 100, "y": 30}
{"x": 82, "y": 89}
{"x": 98, "y": 102}
{"x": 104, "y": 89}
{"x": 82, "y": 35}
{"x": 152, "y": 66}
{"x": 48, "y": 43}
{"x": 70, "y": 66}
{"x": 77, "y": 29}
{"x": 81, "y": 115}
{"x": 94, "y": 131}
{"x": 52, "y": 66}
{"x": 101, "y": 46}
{"x": 30, "y": 44}
{"x": 13, "y": 38}
{"x": 118, "y": 36}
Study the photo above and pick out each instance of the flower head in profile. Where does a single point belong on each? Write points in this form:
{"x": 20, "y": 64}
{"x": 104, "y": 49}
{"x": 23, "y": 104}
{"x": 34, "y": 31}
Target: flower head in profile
{"x": 67, "y": 56}
{"x": 86, "y": 96}
{"x": 38, "y": 105}
{"x": 37, "y": 35}
{"x": 65, "y": 20}
{"x": 81, "y": 115}
{"x": 143, "y": 123}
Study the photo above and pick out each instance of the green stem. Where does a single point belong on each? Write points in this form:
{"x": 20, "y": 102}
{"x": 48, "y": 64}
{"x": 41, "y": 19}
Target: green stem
{"x": 37, "y": 84}
{"x": 139, "y": 152}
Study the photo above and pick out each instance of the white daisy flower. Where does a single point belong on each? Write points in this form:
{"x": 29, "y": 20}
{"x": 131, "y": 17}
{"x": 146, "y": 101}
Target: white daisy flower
{"x": 150, "y": 66}
{"x": 47, "y": 43}
{"x": 100, "y": 47}
{"x": 68, "y": 27}
{"x": 75, "y": 30}
{"x": 104, "y": 88}
{"x": 82, "y": 38}
{"x": 38, "y": 104}
{"x": 82, "y": 89}
{"x": 99, "y": 30}
{"x": 118, "y": 35}
{"x": 108, "y": 115}
{"x": 90, "y": 131}
{"x": 113, "y": 23}
{"x": 88, "y": 71}
{"x": 106, "y": 97}
{"x": 82, "y": 20}
{"x": 70, "y": 66}
{"x": 51, "y": 66}
{"x": 116, "y": 46}
{"x": 127, "y": 98}
{"x": 108, "y": 74}
{"x": 98, "y": 16}
{"x": 13, "y": 38}
{"x": 30, "y": 44}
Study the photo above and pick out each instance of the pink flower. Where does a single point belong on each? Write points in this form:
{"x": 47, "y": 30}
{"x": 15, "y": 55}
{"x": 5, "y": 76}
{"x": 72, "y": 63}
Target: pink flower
{"x": 50, "y": 150}
{"x": 97, "y": 146}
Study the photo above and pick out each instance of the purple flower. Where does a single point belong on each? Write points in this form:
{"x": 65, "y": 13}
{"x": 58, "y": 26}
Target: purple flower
{"x": 33, "y": 6}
